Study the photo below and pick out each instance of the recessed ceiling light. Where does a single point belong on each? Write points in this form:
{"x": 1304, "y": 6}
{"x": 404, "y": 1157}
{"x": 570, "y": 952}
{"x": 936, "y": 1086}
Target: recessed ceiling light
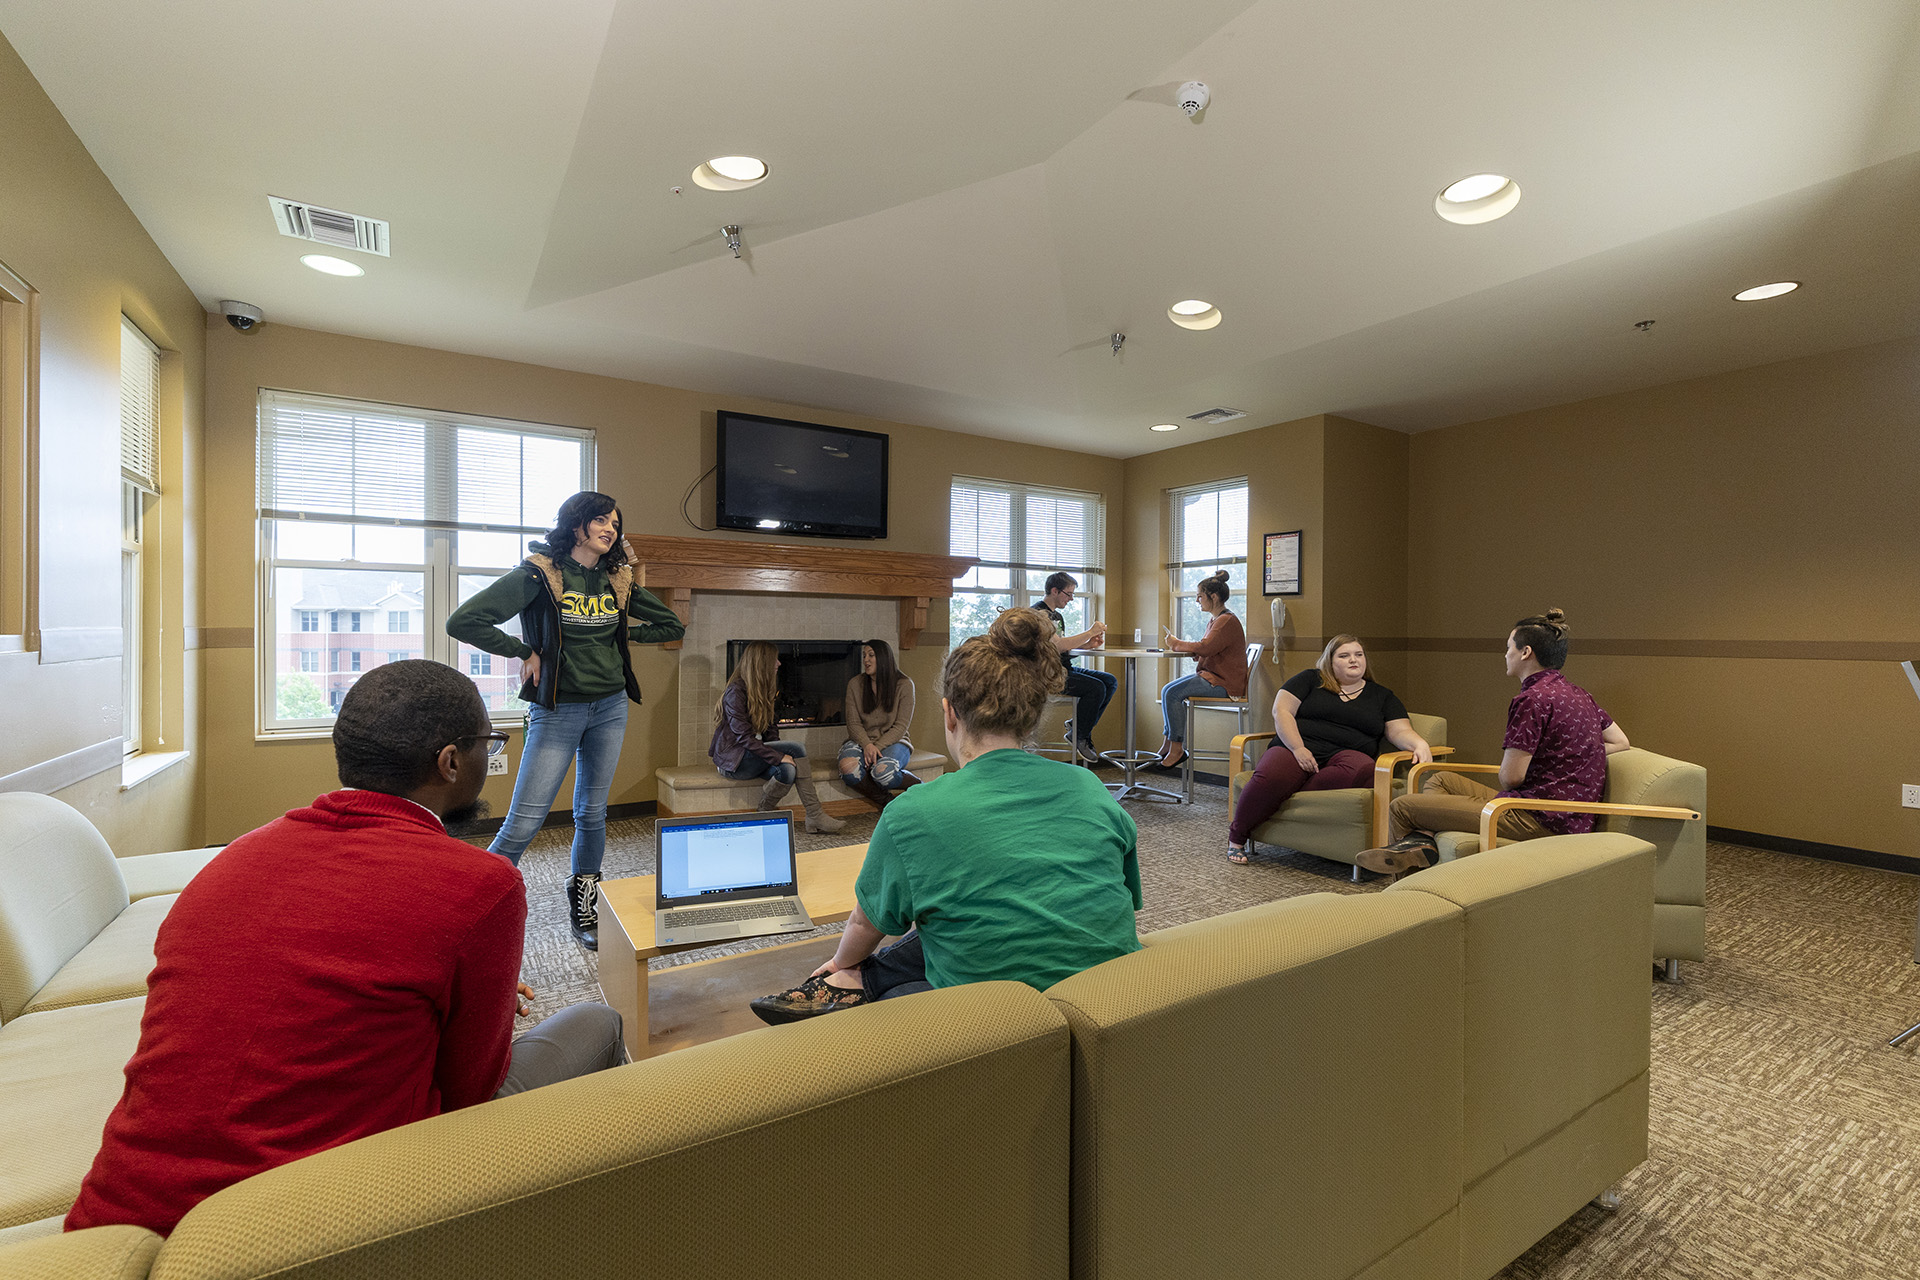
{"x": 730, "y": 173}
{"x": 1194, "y": 314}
{"x": 332, "y": 266}
{"x": 1165, "y": 426}
{"x": 1760, "y": 291}
{"x": 1480, "y": 198}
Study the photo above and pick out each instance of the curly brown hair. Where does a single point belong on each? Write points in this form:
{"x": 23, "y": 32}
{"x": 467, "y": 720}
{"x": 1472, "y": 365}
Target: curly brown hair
{"x": 999, "y": 683}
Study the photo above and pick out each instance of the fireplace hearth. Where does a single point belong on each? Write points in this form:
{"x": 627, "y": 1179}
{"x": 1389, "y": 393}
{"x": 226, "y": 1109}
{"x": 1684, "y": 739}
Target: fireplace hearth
{"x": 812, "y": 680}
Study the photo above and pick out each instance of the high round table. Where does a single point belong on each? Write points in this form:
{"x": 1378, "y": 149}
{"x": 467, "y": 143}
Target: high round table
{"x": 1131, "y": 758}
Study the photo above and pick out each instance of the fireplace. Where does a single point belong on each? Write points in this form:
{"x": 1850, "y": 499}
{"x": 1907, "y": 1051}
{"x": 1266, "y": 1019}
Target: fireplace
{"x": 812, "y": 681}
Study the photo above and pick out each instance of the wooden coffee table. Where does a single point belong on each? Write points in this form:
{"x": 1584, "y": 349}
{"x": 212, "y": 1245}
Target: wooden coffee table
{"x": 626, "y": 942}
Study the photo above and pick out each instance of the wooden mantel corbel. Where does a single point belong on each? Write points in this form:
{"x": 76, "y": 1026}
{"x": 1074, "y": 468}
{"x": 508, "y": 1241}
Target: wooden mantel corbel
{"x": 675, "y": 568}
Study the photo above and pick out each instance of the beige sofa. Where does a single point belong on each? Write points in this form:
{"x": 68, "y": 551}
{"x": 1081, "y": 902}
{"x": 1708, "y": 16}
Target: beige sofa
{"x": 1339, "y": 825}
{"x": 1413, "y": 1083}
{"x": 1638, "y": 782}
{"x": 76, "y": 945}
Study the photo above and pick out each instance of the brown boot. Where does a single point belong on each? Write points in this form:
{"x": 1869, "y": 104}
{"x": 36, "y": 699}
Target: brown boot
{"x": 1409, "y": 854}
{"x": 818, "y": 821}
{"x": 771, "y": 793}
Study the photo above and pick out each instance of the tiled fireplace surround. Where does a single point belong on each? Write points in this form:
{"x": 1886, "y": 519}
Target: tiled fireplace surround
{"x": 720, "y": 616}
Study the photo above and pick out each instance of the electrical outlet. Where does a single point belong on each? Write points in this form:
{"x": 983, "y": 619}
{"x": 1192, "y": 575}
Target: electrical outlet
{"x": 1910, "y": 796}
{"x": 498, "y": 764}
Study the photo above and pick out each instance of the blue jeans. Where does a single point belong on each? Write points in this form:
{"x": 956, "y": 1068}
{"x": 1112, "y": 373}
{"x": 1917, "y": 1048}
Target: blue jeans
{"x": 1092, "y": 691}
{"x": 898, "y": 970}
{"x": 886, "y": 770}
{"x": 589, "y": 733}
{"x": 1173, "y": 704}
{"x": 752, "y": 766}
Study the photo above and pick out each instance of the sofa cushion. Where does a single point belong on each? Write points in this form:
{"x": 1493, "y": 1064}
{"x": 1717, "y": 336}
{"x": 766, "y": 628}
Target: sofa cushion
{"x": 114, "y": 966}
{"x": 59, "y": 886}
{"x": 101, "y": 1253}
{"x": 1273, "y": 1091}
{"x": 148, "y": 875}
{"x": 61, "y": 1072}
{"x": 953, "y": 1103}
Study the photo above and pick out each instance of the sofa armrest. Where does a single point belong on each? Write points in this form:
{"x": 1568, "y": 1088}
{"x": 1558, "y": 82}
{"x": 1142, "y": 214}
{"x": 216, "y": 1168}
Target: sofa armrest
{"x": 1237, "y": 749}
{"x": 149, "y": 875}
{"x": 1490, "y": 815}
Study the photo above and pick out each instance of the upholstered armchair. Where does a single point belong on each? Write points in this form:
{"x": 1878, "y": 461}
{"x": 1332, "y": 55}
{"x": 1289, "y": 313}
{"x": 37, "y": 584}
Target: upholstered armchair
{"x": 1657, "y": 799}
{"x": 1337, "y": 824}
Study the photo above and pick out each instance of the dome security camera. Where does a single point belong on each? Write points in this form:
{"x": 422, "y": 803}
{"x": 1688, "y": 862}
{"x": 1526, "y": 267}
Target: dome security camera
{"x": 242, "y": 316}
{"x": 1194, "y": 96}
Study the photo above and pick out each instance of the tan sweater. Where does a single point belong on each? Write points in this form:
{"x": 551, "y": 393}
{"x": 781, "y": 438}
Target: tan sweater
{"x": 882, "y": 726}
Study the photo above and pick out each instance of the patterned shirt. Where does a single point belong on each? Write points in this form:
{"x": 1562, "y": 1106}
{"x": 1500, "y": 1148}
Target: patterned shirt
{"x": 1560, "y": 724}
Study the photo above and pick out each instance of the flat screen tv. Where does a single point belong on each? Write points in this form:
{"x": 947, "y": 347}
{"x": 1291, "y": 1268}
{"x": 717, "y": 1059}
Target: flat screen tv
{"x": 777, "y": 476}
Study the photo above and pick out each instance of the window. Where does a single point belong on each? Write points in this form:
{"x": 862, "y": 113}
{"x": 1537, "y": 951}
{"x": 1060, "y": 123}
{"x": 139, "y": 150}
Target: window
{"x": 1209, "y": 533}
{"x": 1020, "y": 534}
{"x": 139, "y": 487}
{"x": 370, "y": 512}
{"x": 19, "y": 408}
{"x": 309, "y": 619}
{"x": 395, "y": 656}
{"x": 309, "y": 659}
{"x": 479, "y": 664}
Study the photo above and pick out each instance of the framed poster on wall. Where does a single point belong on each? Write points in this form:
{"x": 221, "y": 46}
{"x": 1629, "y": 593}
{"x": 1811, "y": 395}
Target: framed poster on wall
{"x": 1282, "y": 564}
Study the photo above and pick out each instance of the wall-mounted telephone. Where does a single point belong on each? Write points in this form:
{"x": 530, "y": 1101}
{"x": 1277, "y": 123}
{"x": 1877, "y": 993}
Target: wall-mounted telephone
{"x": 1278, "y": 608}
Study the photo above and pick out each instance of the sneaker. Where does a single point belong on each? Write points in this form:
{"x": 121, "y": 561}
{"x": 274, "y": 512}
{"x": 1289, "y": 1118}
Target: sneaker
{"x": 810, "y": 999}
{"x": 1088, "y": 752}
{"x": 1409, "y": 854}
{"x": 583, "y": 909}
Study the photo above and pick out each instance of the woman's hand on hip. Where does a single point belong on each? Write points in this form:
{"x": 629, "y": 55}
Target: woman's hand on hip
{"x": 1305, "y": 759}
{"x": 530, "y": 668}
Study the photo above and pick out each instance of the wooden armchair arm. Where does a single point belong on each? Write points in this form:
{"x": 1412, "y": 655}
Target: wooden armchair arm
{"x": 1237, "y": 749}
{"x": 1490, "y": 816}
{"x": 1384, "y": 767}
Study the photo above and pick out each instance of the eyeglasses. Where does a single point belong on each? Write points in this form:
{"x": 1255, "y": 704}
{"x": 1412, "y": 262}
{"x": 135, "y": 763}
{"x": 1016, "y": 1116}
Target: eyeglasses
{"x": 496, "y": 741}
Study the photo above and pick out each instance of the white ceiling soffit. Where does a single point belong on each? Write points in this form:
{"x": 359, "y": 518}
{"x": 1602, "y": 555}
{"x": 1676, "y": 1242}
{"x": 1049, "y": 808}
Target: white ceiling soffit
{"x": 964, "y": 203}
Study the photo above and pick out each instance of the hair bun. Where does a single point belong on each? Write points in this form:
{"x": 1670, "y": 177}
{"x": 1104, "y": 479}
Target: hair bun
{"x": 1557, "y": 619}
{"x": 1021, "y": 633}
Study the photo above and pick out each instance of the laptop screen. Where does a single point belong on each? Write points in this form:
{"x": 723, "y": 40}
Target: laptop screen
{"x": 717, "y": 859}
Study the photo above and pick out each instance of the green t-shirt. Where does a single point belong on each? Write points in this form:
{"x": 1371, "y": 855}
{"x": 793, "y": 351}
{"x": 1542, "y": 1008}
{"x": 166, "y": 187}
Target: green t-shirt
{"x": 1016, "y": 866}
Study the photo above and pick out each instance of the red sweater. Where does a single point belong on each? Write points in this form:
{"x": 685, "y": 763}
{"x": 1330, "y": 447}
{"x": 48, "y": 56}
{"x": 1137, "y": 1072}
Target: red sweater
{"x": 343, "y": 970}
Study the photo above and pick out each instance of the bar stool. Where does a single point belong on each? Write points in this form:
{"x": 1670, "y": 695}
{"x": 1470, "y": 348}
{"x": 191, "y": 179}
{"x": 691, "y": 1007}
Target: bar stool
{"x": 1056, "y": 721}
{"x": 1251, "y": 714}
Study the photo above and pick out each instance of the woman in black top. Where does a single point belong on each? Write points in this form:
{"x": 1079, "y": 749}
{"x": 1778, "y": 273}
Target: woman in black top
{"x": 1331, "y": 721}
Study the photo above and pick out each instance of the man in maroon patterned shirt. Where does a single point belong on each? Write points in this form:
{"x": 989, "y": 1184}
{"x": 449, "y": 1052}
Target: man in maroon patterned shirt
{"x": 1556, "y": 748}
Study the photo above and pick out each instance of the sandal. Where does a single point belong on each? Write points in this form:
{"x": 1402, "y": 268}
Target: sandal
{"x": 1239, "y": 854}
{"x": 811, "y": 998}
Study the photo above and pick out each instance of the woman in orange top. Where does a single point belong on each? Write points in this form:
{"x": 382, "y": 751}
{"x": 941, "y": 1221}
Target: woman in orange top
{"x": 1223, "y": 666}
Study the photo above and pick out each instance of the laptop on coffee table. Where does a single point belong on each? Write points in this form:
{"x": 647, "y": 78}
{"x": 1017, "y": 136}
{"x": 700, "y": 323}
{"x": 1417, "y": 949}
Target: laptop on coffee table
{"x": 726, "y": 876}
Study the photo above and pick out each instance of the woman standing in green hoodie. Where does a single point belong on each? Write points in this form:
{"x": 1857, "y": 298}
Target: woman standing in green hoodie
{"x": 574, "y": 596}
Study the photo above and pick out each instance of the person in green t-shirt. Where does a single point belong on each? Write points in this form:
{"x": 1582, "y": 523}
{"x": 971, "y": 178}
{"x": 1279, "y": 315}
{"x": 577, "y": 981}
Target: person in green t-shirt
{"x": 579, "y": 610}
{"x": 1012, "y": 867}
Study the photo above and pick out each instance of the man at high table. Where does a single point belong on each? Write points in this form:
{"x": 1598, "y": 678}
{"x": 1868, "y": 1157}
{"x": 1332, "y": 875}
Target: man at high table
{"x": 1091, "y": 690}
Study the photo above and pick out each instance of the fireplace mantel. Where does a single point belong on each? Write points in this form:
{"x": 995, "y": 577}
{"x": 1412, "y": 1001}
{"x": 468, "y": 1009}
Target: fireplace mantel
{"x": 677, "y": 567}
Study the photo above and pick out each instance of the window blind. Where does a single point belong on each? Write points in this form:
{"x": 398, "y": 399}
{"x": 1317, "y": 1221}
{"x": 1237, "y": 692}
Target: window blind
{"x": 1016, "y": 526}
{"x": 1209, "y": 523}
{"x": 139, "y": 408}
{"x": 322, "y": 458}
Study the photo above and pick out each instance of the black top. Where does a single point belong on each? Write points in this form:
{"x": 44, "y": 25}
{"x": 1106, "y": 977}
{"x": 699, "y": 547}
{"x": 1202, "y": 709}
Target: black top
{"x": 1328, "y": 724}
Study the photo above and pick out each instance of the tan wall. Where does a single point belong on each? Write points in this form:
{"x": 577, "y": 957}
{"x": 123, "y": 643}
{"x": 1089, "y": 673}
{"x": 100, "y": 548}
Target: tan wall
{"x": 1364, "y": 556}
{"x": 1768, "y": 512}
{"x": 653, "y": 442}
{"x": 66, "y": 231}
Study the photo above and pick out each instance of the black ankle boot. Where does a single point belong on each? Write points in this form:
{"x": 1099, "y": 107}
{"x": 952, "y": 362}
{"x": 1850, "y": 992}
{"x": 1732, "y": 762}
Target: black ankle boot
{"x": 582, "y": 898}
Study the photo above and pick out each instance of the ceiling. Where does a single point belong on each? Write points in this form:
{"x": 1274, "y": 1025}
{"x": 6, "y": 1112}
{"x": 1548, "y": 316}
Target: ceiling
{"x": 967, "y": 199}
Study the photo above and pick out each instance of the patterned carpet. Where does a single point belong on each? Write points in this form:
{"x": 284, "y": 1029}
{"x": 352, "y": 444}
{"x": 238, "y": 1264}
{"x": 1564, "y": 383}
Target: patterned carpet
{"x": 1785, "y": 1133}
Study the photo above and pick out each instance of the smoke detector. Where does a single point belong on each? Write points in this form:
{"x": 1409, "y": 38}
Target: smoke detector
{"x": 1214, "y": 416}
{"x": 304, "y": 221}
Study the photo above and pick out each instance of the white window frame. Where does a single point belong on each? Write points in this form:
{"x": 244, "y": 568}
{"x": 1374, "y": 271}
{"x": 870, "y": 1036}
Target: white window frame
{"x": 139, "y": 490}
{"x": 1183, "y": 615}
{"x": 1026, "y": 578}
{"x": 438, "y": 571}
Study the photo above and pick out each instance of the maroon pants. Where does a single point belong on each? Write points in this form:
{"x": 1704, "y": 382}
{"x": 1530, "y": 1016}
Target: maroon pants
{"x": 1279, "y": 775}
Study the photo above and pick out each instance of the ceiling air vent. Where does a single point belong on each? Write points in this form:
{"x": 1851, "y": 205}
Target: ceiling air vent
{"x": 1211, "y": 416}
{"x": 329, "y": 226}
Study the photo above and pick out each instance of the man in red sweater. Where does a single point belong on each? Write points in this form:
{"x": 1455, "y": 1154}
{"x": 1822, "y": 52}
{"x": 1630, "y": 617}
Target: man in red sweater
{"x": 345, "y": 969}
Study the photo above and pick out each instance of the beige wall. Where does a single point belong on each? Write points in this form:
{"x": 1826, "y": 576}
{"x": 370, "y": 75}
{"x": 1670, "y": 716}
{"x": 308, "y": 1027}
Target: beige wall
{"x": 1768, "y": 512}
{"x": 653, "y": 442}
{"x": 66, "y": 231}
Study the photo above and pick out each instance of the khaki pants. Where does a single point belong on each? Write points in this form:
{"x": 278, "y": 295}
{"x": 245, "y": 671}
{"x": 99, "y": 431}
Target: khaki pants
{"x": 1452, "y": 802}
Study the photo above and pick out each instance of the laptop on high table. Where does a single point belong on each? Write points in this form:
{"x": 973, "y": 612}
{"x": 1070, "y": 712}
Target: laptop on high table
{"x": 726, "y": 876}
